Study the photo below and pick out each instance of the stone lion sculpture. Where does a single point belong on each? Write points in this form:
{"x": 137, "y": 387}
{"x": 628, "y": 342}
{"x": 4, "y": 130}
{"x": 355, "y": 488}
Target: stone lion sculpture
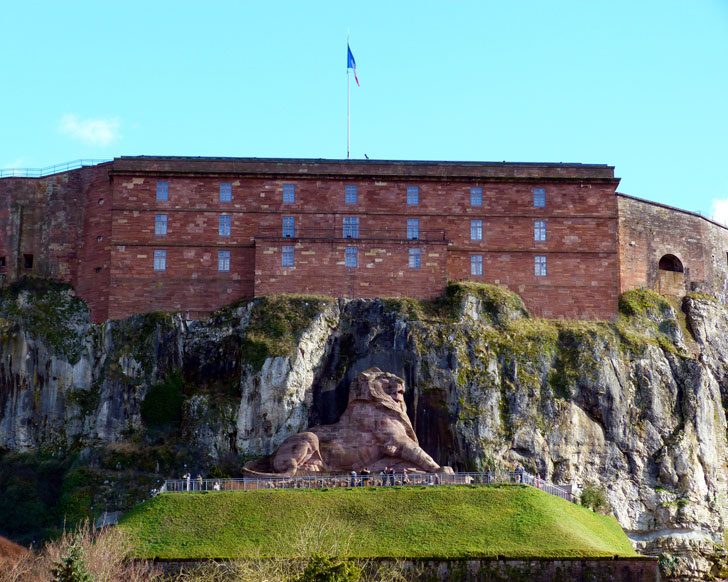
{"x": 373, "y": 432}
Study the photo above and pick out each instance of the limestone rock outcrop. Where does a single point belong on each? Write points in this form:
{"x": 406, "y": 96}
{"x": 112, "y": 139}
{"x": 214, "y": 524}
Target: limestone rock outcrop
{"x": 634, "y": 407}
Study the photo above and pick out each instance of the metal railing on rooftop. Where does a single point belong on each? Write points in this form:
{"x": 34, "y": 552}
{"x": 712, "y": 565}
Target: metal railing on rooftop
{"x": 401, "y": 479}
{"x": 342, "y": 232}
{"x": 49, "y": 170}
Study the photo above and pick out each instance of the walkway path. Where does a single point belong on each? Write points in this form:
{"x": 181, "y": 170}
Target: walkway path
{"x": 322, "y": 481}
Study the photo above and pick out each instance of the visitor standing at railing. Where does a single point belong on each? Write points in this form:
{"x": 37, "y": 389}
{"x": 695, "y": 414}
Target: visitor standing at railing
{"x": 388, "y": 478}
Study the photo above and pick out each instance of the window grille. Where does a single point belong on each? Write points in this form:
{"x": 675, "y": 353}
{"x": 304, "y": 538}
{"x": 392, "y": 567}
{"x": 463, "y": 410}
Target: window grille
{"x": 287, "y": 257}
{"x": 352, "y": 257}
{"x": 160, "y": 260}
{"x": 160, "y": 224}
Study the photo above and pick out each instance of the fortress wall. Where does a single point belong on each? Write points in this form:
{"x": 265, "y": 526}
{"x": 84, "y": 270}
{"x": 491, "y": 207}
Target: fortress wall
{"x": 95, "y": 228}
{"x": 648, "y": 231}
{"x": 91, "y": 277}
{"x": 191, "y": 283}
{"x": 8, "y": 242}
{"x": 580, "y": 217}
{"x": 578, "y": 285}
{"x": 42, "y": 218}
{"x": 382, "y": 271}
{"x": 56, "y": 220}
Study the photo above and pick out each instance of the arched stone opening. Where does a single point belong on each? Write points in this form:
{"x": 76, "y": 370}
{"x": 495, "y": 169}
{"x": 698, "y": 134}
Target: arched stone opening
{"x": 670, "y": 263}
{"x": 671, "y": 276}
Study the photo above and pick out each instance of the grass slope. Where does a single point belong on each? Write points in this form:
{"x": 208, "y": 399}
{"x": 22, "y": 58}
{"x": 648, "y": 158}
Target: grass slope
{"x": 440, "y": 522}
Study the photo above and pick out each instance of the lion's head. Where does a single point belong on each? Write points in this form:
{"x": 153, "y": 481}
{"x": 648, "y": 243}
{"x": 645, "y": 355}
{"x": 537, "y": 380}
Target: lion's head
{"x": 384, "y": 391}
{"x": 381, "y": 387}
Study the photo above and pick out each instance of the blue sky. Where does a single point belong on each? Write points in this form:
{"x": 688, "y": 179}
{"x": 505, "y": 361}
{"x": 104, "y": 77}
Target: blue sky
{"x": 639, "y": 84}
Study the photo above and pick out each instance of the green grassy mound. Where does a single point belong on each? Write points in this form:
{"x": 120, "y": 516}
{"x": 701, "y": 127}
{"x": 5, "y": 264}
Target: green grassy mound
{"x": 426, "y": 522}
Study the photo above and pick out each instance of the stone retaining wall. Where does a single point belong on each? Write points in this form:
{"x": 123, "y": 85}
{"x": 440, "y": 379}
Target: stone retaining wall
{"x": 639, "y": 569}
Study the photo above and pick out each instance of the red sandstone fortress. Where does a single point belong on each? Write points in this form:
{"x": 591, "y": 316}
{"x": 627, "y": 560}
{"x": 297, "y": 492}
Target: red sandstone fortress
{"x": 140, "y": 234}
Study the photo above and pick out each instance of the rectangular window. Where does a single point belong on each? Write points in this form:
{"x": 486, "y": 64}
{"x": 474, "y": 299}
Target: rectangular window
{"x": 160, "y": 260}
{"x": 539, "y": 197}
{"x": 351, "y": 227}
{"x": 289, "y": 193}
{"x": 2, "y": 262}
{"x": 413, "y": 228}
{"x": 287, "y": 257}
{"x": 289, "y": 226}
{"x": 162, "y": 190}
{"x": 539, "y": 230}
{"x": 476, "y": 264}
{"x": 352, "y": 257}
{"x": 476, "y": 230}
{"x": 28, "y": 261}
{"x": 540, "y": 265}
{"x": 223, "y": 260}
{"x": 226, "y": 192}
{"x": 160, "y": 224}
{"x": 476, "y": 197}
{"x": 415, "y": 258}
{"x": 350, "y": 194}
{"x": 413, "y": 195}
{"x": 224, "y": 226}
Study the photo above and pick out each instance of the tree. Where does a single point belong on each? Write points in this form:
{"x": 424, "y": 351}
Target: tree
{"x": 72, "y": 567}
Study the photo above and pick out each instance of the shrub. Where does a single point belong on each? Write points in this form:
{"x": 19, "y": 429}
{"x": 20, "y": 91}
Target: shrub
{"x": 330, "y": 569}
{"x": 162, "y": 405}
{"x": 595, "y": 498}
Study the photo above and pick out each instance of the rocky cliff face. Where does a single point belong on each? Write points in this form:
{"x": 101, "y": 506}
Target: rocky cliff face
{"x": 635, "y": 407}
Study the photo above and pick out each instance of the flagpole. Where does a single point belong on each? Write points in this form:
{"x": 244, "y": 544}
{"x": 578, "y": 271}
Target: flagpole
{"x": 348, "y": 103}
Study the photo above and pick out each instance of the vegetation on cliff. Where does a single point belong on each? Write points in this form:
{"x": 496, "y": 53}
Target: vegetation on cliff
{"x": 47, "y": 310}
{"x": 275, "y": 325}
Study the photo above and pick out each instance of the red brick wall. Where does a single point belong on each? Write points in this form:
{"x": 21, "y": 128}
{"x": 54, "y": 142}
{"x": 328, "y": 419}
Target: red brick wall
{"x": 382, "y": 271}
{"x": 91, "y": 277}
{"x": 191, "y": 281}
{"x": 107, "y": 250}
{"x": 577, "y": 286}
{"x": 581, "y": 243}
{"x": 57, "y": 219}
{"x": 648, "y": 231}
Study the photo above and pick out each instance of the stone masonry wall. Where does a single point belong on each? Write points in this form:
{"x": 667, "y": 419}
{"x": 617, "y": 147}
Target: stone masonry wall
{"x": 383, "y": 269}
{"x": 91, "y": 279}
{"x": 41, "y": 218}
{"x": 649, "y": 231}
{"x": 641, "y": 569}
{"x": 579, "y": 215}
{"x": 95, "y": 228}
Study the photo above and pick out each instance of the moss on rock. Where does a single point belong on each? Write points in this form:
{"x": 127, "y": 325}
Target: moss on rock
{"x": 48, "y": 310}
{"x": 276, "y": 324}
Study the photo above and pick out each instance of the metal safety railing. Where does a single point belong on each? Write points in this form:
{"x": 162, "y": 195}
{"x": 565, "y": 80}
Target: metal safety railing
{"x": 400, "y": 479}
{"x": 49, "y": 170}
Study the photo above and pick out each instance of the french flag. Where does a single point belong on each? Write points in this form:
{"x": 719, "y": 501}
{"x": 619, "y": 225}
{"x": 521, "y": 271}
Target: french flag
{"x": 351, "y": 63}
